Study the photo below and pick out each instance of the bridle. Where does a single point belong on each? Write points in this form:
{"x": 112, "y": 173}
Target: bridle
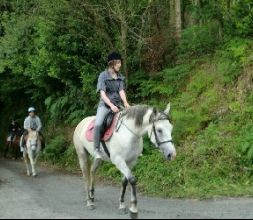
{"x": 158, "y": 142}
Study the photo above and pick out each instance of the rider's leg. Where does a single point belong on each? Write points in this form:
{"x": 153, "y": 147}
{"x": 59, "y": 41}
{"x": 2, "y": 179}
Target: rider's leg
{"x": 102, "y": 111}
{"x": 12, "y": 135}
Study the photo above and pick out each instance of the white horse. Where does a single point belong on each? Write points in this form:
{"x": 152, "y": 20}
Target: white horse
{"x": 124, "y": 147}
{"x": 31, "y": 151}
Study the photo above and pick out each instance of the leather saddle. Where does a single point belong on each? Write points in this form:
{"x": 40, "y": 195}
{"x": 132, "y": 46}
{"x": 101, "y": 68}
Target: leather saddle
{"x": 107, "y": 127}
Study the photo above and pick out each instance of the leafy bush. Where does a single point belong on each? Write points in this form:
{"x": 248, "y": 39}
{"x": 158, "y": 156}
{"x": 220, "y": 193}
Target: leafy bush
{"x": 55, "y": 148}
{"x": 199, "y": 39}
{"x": 246, "y": 143}
{"x": 233, "y": 56}
{"x": 242, "y": 17}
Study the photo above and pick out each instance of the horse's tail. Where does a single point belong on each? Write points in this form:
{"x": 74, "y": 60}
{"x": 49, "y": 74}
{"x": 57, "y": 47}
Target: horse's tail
{"x": 82, "y": 153}
{"x": 83, "y": 158}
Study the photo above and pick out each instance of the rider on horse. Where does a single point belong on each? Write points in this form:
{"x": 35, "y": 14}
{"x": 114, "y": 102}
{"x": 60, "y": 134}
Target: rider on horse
{"x": 112, "y": 93}
{"x": 13, "y": 130}
{"x": 31, "y": 123}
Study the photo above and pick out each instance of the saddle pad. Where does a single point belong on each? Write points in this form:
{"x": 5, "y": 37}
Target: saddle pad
{"x": 107, "y": 134}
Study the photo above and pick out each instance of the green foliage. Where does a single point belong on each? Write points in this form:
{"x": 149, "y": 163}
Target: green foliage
{"x": 242, "y": 16}
{"x": 199, "y": 39}
{"x": 165, "y": 84}
{"x": 233, "y": 57}
{"x": 55, "y": 148}
{"x": 50, "y": 57}
{"x": 247, "y": 144}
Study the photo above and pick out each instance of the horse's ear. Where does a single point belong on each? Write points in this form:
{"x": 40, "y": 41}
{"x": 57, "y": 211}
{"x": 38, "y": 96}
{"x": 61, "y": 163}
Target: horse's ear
{"x": 154, "y": 115}
{"x": 167, "y": 110}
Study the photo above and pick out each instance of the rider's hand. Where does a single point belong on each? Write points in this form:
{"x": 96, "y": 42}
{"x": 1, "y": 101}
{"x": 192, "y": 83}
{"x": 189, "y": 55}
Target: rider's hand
{"x": 126, "y": 105}
{"x": 114, "y": 108}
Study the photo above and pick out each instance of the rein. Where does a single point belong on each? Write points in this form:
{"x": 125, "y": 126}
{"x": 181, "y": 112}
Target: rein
{"x": 122, "y": 123}
{"x": 159, "y": 143}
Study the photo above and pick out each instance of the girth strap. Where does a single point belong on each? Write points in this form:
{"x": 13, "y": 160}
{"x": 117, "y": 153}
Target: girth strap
{"x": 105, "y": 148}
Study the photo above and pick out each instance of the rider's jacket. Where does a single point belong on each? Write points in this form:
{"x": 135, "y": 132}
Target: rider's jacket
{"x": 13, "y": 128}
{"x": 33, "y": 123}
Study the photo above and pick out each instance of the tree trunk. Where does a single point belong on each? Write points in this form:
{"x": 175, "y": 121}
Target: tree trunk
{"x": 124, "y": 46}
{"x": 172, "y": 16}
{"x": 178, "y": 19}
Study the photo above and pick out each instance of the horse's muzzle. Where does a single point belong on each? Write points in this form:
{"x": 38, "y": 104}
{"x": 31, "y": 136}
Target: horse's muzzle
{"x": 171, "y": 156}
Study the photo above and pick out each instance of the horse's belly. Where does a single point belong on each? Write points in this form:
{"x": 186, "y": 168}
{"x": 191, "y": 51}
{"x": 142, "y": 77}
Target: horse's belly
{"x": 129, "y": 152}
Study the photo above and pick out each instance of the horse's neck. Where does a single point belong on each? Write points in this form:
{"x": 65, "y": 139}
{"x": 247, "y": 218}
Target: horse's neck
{"x": 139, "y": 130}
{"x": 33, "y": 134}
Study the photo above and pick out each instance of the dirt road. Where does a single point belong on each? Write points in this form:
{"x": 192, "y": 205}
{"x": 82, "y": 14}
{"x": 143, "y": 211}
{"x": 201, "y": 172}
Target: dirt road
{"x": 55, "y": 194}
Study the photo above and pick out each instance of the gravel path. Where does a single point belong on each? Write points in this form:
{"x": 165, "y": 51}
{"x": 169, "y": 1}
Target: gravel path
{"x": 55, "y": 194}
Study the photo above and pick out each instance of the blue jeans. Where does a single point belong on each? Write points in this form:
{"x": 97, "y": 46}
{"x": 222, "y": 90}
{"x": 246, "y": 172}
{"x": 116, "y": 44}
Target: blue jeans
{"x": 102, "y": 111}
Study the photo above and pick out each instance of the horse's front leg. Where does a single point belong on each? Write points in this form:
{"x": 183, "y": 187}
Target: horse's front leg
{"x": 125, "y": 170}
{"x": 122, "y": 206}
{"x": 25, "y": 156}
{"x": 133, "y": 208}
{"x": 32, "y": 161}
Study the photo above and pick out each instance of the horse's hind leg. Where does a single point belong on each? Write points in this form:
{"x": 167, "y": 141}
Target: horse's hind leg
{"x": 94, "y": 167}
{"x": 85, "y": 168}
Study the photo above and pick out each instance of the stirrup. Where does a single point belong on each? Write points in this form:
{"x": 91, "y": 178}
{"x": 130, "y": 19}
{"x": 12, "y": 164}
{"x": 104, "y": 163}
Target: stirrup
{"x": 98, "y": 154}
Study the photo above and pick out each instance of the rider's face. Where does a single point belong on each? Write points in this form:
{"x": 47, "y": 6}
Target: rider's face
{"x": 117, "y": 65}
{"x": 32, "y": 114}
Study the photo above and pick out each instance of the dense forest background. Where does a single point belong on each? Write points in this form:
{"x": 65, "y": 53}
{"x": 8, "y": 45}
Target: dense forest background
{"x": 196, "y": 54}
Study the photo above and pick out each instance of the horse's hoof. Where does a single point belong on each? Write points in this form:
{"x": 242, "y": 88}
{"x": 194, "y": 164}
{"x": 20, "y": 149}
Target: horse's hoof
{"x": 133, "y": 215}
{"x": 91, "y": 207}
{"x": 35, "y": 175}
{"x": 123, "y": 211}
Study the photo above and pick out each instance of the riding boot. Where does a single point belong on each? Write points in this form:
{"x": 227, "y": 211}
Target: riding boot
{"x": 98, "y": 153}
{"x": 97, "y": 137}
{"x": 21, "y": 144}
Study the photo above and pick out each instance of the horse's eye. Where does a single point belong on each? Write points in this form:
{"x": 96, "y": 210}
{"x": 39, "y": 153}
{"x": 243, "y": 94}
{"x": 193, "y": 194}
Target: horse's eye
{"x": 160, "y": 131}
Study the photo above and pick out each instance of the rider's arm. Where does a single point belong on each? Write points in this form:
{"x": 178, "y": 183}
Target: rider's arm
{"x": 38, "y": 124}
{"x": 27, "y": 124}
{"x": 122, "y": 92}
{"x": 123, "y": 97}
{"x": 108, "y": 101}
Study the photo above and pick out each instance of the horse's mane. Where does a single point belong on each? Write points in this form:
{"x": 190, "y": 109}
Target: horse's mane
{"x": 33, "y": 134}
{"x": 138, "y": 112}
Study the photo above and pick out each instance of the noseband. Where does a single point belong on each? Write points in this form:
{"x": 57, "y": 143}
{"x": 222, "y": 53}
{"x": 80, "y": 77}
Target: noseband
{"x": 159, "y": 143}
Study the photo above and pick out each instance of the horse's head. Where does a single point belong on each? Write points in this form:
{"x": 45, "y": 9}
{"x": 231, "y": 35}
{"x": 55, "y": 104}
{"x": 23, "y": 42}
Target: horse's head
{"x": 32, "y": 140}
{"x": 160, "y": 134}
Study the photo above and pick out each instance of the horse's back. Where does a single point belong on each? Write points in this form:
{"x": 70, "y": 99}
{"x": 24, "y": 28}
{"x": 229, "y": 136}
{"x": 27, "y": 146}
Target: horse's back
{"x": 79, "y": 133}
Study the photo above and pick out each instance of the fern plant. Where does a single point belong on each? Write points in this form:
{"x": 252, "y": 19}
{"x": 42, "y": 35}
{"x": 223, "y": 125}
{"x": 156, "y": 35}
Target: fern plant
{"x": 247, "y": 143}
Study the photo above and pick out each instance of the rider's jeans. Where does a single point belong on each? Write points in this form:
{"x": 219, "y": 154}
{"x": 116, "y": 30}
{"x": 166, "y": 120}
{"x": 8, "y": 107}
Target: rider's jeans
{"x": 102, "y": 111}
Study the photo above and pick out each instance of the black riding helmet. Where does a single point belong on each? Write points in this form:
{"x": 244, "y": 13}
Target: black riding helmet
{"x": 114, "y": 56}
